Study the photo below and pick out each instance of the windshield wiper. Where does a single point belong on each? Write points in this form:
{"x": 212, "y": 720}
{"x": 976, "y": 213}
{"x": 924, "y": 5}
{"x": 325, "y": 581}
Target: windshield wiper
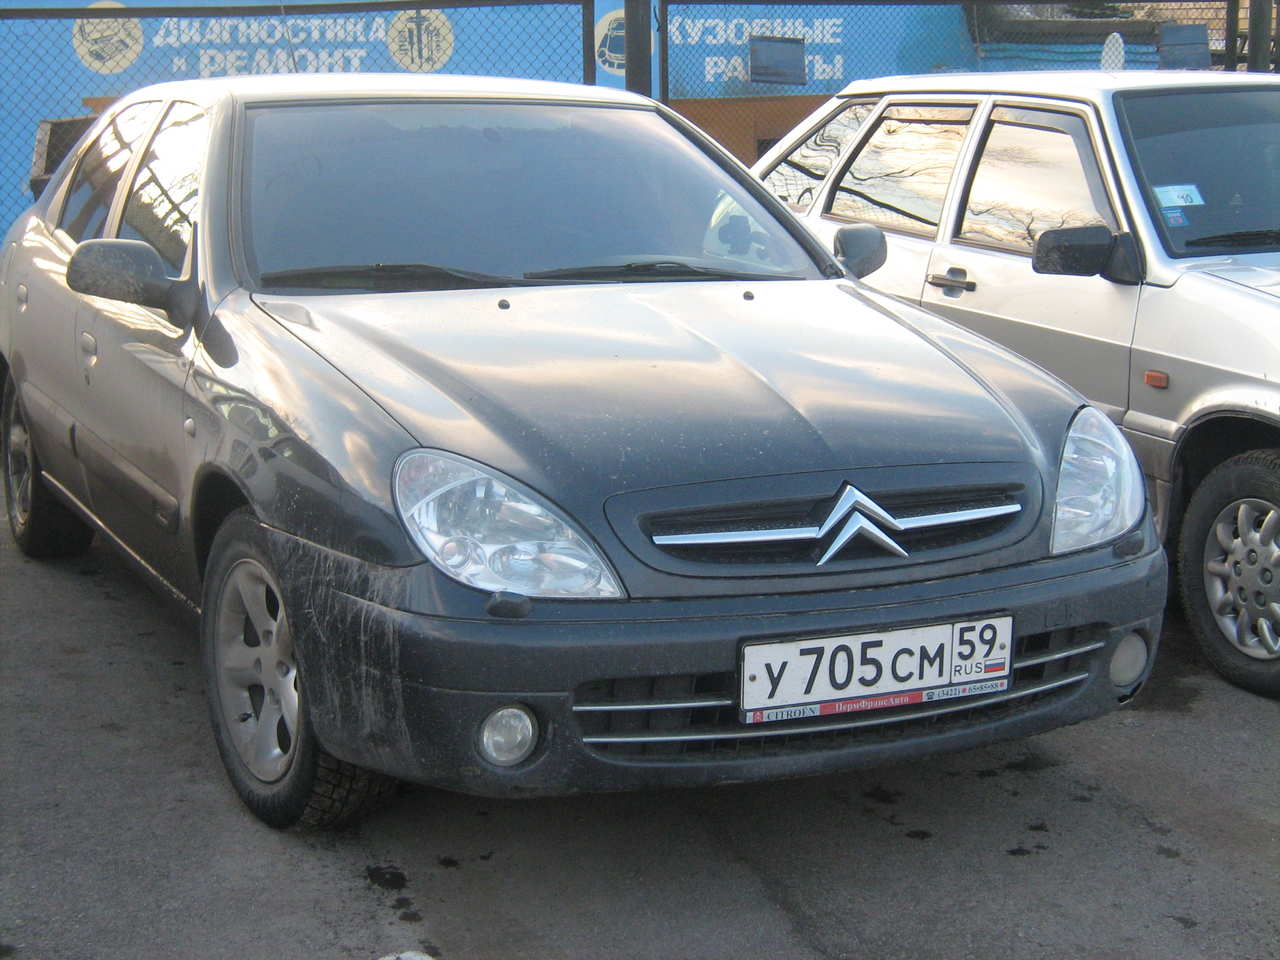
{"x": 388, "y": 277}
{"x": 1238, "y": 238}
{"x": 652, "y": 270}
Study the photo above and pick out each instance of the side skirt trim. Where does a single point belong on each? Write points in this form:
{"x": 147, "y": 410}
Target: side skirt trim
{"x": 150, "y": 571}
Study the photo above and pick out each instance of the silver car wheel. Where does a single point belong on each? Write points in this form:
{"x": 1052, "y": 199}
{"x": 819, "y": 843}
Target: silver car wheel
{"x": 256, "y": 673}
{"x": 1242, "y": 576}
{"x": 18, "y": 466}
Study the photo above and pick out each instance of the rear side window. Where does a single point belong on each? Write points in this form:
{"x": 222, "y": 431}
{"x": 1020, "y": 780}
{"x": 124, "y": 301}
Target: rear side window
{"x": 1037, "y": 171}
{"x": 162, "y": 204}
{"x": 898, "y": 178}
{"x": 84, "y": 213}
{"x": 797, "y": 177}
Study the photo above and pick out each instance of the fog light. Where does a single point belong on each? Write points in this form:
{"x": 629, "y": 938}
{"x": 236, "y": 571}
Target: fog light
{"x": 1129, "y": 660}
{"x": 508, "y": 736}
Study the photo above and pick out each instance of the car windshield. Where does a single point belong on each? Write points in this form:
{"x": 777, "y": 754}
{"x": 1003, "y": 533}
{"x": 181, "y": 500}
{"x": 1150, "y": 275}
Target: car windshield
{"x": 1209, "y": 164}
{"x": 446, "y": 195}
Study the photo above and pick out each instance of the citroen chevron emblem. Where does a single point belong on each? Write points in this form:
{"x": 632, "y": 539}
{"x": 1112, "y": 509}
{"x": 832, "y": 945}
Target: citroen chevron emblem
{"x": 855, "y": 514}
{"x": 857, "y": 506}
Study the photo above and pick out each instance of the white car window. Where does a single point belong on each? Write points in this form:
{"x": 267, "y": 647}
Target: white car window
{"x": 898, "y": 179}
{"x": 1036, "y": 172}
{"x": 797, "y": 177}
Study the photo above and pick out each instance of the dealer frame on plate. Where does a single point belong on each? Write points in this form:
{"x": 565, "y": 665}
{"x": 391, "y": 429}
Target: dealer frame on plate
{"x": 877, "y": 670}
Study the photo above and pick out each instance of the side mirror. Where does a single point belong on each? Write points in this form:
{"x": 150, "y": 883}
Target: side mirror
{"x": 1088, "y": 252}
{"x": 127, "y": 270}
{"x": 861, "y": 249}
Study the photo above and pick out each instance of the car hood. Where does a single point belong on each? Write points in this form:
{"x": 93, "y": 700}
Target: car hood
{"x": 584, "y": 391}
{"x": 1262, "y": 277}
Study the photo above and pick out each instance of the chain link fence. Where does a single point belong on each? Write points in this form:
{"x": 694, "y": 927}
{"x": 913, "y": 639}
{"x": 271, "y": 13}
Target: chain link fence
{"x": 745, "y": 70}
{"x": 61, "y": 67}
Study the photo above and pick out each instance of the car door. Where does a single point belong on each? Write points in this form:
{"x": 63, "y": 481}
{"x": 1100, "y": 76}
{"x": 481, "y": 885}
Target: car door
{"x": 134, "y": 442}
{"x": 1034, "y": 169}
{"x": 897, "y": 177}
{"x": 53, "y": 362}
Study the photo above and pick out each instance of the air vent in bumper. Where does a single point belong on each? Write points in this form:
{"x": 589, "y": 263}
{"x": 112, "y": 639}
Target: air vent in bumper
{"x": 696, "y": 716}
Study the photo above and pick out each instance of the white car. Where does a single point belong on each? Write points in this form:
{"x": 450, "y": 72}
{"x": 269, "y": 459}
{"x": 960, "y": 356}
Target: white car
{"x": 1123, "y": 231}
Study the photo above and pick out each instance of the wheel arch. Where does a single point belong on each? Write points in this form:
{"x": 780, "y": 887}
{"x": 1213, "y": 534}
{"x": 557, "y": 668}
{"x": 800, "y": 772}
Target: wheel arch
{"x": 1210, "y": 440}
{"x": 217, "y": 495}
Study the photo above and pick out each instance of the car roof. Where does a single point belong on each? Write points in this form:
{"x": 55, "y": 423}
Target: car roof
{"x": 1093, "y": 85}
{"x": 318, "y": 86}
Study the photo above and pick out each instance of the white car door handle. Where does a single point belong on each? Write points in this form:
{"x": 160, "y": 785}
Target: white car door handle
{"x": 88, "y": 344}
{"x": 939, "y": 280}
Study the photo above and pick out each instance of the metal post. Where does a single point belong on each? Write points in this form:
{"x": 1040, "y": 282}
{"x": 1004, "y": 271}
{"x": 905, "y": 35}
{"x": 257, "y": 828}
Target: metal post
{"x": 1276, "y": 39}
{"x": 589, "y": 42}
{"x": 664, "y": 52}
{"x": 1259, "y": 59}
{"x": 639, "y": 14}
{"x": 1231, "y": 36}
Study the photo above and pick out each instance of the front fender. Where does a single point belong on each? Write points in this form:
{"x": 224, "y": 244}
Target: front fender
{"x": 311, "y": 451}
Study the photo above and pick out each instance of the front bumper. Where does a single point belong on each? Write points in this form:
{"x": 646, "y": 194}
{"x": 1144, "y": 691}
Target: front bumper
{"x": 405, "y": 693}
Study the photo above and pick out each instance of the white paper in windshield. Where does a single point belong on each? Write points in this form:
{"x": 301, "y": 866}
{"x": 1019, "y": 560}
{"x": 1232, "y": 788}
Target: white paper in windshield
{"x": 1181, "y": 195}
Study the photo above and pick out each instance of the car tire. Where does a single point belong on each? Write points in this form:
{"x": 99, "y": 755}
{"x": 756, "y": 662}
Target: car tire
{"x": 257, "y": 699}
{"x": 1229, "y": 569}
{"x": 42, "y": 526}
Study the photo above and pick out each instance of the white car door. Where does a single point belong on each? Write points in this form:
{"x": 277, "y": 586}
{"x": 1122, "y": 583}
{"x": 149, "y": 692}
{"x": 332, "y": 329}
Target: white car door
{"x": 897, "y": 177}
{"x": 1036, "y": 169}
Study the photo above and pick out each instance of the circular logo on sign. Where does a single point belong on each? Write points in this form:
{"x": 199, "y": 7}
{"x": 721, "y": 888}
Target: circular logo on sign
{"x": 611, "y": 42}
{"x": 420, "y": 40}
{"x": 107, "y": 46}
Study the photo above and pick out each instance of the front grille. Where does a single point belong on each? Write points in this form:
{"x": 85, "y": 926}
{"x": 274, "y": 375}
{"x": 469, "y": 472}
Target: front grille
{"x": 695, "y": 717}
{"x": 800, "y": 514}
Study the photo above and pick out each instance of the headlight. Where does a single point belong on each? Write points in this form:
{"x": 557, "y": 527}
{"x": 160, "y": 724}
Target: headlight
{"x": 1100, "y": 488}
{"x": 492, "y": 533}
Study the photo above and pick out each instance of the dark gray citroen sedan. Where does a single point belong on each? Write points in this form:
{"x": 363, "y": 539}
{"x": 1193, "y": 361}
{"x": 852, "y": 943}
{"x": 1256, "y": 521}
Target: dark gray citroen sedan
{"x": 509, "y": 437}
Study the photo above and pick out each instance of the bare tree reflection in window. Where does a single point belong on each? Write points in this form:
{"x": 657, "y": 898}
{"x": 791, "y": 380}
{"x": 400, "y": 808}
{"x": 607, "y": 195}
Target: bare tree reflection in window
{"x": 84, "y": 213}
{"x": 1031, "y": 178}
{"x": 162, "y": 204}
{"x": 795, "y": 180}
{"x": 899, "y": 178}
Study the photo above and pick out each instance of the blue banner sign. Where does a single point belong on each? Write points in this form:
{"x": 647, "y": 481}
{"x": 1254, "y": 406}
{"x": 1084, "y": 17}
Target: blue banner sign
{"x": 710, "y": 45}
{"x": 59, "y": 68}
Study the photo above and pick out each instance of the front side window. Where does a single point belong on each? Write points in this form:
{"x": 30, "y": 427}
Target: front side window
{"x": 493, "y": 194}
{"x": 1036, "y": 172}
{"x": 898, "y": 179}
{"x": 1208, "y": 161}
{"x": 162, "y": 204}
{"x": 88, "y": 202}
{"x": 797, "y": 177}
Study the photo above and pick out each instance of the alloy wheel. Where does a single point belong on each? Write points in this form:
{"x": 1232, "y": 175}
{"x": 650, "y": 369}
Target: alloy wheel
{"x": 256, "y": 673}
{"x": 1242, "y": 576}
{"x": 18, "y": 465}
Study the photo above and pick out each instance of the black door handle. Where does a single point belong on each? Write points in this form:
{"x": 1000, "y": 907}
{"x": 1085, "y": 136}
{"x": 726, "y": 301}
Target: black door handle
{"x": 938, "y": 280}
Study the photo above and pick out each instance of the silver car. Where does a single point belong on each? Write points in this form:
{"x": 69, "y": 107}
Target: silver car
{"x": 1123, "y": 231}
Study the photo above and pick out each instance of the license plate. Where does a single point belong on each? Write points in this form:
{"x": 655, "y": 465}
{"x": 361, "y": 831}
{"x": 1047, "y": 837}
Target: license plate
{"x": 828, "y": 676}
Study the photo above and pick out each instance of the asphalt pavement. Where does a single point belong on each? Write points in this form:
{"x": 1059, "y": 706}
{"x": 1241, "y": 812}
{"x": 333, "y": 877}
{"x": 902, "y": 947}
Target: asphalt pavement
{"x": 1153, "y": 832}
